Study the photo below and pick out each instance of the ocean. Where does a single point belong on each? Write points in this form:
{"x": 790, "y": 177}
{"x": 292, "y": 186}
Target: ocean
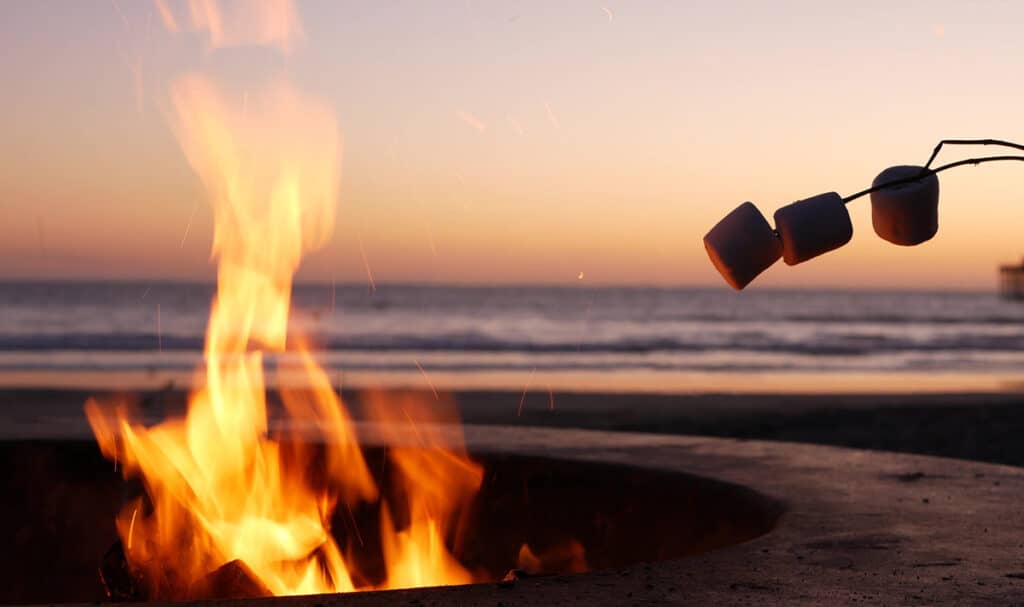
{"x": 138, "y": 334}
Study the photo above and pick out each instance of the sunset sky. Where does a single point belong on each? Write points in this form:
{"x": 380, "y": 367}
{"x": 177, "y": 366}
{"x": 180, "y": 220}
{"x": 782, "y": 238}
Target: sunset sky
{"x": 522, "y": 142}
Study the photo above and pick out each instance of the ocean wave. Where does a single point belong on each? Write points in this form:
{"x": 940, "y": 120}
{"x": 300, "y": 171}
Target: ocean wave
{"x": 821, "y": 344}
{"x": 831, "y": 318}
{"x": 560, "y": 365}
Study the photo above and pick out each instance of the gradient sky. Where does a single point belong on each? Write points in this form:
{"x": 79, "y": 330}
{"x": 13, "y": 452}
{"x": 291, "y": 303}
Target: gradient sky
{"x": 510, "y": 142}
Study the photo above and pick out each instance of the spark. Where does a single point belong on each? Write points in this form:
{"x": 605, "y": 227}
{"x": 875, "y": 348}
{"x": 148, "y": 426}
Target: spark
{"x": 188, "y": 226}
{"x": 355, "y": 526}
{"x": 166, "y": 16}
{"x": 515, "y": 124}
{"x": 145, "y": 294}
{"x": 580, "y": 275}
{"x": 526, "y": 389}
{"x": 551, "y": 115}
{"x": 608, "y": 11}
{"x": 103, "y": 580}
{"x": 427, "y": 377}
{"x": 159, "y": 334}
{"x": 366, "y": 264}
{"x": 471, "y": 120}
{"x": 415, "y": 429}
{"x": 120, "y": 14}
{"x": 131, "y": 527}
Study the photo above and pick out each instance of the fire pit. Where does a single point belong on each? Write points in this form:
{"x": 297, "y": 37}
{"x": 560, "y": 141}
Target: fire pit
{"x": 573, "y": 514}
{"x": 581, "y": 514}
{"x": 855, "y": 527}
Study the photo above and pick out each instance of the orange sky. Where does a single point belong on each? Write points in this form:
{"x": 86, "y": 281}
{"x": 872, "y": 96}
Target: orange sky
{"x": 526, "y": 141}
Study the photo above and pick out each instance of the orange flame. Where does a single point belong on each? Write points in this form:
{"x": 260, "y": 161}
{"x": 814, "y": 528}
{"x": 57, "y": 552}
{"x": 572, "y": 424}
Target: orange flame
{"x": 221, "y": 485}
{"x": 229, "y": 23}
{"x": 439, "y": 479}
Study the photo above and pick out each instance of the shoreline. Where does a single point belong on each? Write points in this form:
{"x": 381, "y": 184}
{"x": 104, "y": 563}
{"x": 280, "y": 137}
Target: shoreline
{"x": 966, "y": 425}
{"x": 625, "y": 382}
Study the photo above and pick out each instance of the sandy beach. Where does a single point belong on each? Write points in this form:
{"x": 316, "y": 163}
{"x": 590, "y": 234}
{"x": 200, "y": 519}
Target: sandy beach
{"x": 978, "y": 426}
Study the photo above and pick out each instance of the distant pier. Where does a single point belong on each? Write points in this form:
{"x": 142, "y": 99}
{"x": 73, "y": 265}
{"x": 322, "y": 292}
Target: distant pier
{"x": 1011, "y": 281}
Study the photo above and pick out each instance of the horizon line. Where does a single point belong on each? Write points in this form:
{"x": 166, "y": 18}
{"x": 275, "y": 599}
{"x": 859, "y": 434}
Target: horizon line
{"x": 575, "y": 285}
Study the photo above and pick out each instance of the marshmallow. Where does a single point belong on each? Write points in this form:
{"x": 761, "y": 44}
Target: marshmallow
{"x": 742, "y": 245}
{"x": 906, "y": 214}
{"x": 813, "y": 226}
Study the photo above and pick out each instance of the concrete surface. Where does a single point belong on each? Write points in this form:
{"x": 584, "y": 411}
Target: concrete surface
{"x": 861, "y": 528}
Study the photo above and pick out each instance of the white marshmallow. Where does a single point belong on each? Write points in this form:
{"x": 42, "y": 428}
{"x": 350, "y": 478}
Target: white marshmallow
{"x": 813, "y": 226}
{"x": 742, "y": 245}
{"x": 906, "y": 214}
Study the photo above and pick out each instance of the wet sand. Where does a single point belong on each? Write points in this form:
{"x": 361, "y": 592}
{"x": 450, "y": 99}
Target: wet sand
{"x": 978, "y": 426}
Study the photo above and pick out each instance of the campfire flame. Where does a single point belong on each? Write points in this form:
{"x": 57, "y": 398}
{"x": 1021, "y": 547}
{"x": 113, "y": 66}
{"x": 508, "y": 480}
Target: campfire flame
{"x": 221, "y": 484}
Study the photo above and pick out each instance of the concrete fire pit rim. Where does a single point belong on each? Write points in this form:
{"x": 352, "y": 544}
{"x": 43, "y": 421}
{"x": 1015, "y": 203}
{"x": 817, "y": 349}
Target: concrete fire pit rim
{"x": 544, "y": 440}
{"x": 861, "y": 526}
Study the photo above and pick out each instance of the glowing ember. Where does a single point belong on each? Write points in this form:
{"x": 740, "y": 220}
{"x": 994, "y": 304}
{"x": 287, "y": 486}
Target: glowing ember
{"x": 226, "y": 494}
{"x": 471, "y": 120}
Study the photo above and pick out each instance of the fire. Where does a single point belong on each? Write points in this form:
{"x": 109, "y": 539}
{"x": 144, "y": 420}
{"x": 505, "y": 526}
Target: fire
{"x": 222, "y": 486}
{"x": 439, "y": 479}
{"x": 239, "y": 22}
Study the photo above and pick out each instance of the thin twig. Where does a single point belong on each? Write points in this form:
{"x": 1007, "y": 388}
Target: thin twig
{"x": 944, "y": 167}
{"x": 1000, "y": 142}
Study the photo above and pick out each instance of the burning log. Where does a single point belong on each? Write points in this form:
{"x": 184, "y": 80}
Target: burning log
{"x": 116, "y": 575}
{"x": 513, "y": 576}
{"x": 233, "y": 580}
{"x": 559, "y": 559}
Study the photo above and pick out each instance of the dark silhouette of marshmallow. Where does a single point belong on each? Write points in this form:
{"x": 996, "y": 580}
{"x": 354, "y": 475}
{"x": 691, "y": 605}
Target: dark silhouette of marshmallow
{"x": 742, "y": 245}
{"x": 813, "y": 226}
{"x": 906, "y": 214}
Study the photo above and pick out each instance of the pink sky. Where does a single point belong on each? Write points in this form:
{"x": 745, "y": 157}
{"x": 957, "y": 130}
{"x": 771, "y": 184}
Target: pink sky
{"x": 526, "y": 141}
